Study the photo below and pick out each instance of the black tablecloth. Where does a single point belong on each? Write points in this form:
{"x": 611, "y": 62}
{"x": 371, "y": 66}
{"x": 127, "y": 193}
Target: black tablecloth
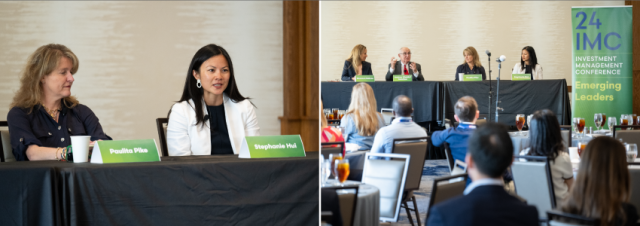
{"x": 202, "y": 190}
{"x": 425, "y": 96}
{"x": 516, "y": 97}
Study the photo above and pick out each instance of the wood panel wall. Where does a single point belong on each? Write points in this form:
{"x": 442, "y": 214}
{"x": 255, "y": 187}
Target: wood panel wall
{"x": 300, "y": 67}
{"x": 636, "y": 55}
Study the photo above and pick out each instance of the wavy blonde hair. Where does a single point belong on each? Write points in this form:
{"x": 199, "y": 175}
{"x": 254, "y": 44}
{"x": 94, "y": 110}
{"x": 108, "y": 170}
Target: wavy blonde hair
{"x": 363, "y": 109}
{"x": 40, "y": 64}
{"x": 354, "y": 58}
{"x": 472, "y": 51}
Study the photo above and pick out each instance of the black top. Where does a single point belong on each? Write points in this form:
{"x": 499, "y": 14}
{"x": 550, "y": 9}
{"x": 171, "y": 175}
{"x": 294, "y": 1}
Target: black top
{"x": 220, "y": 143}
{"x": 40, "y": 129}
{"x": 349, "y": 72}
{"x": 527, "y": 70}
{"x": 464, "y": 68}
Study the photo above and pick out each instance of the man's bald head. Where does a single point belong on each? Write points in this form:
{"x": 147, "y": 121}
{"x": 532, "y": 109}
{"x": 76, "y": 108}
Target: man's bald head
{"x": 405, "y": 55}
{"x": 402, "y": 106}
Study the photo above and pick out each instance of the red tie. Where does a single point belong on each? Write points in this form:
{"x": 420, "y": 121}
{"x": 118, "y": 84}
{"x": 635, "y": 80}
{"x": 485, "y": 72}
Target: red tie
{"x": 406, "y": 72}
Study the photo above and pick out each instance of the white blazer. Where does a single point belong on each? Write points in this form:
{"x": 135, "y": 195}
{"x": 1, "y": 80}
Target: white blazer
{"x": 184, "y": 137}
{"x": 537, "y": 71}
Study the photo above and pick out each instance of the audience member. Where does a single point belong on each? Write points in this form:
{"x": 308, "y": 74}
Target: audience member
{"x": 467, "y": 113}
{"x": 485, "y": 202}
{"x": 401, "y": 127}
{"x": 362, "y": 121}
{"x": 602, "y": 187}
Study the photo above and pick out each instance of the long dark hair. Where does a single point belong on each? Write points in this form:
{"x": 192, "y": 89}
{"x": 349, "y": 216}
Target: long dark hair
{"x": 192, "y": 92}
{"x": 546, "y": 139}
{"x": 533, "y": 60}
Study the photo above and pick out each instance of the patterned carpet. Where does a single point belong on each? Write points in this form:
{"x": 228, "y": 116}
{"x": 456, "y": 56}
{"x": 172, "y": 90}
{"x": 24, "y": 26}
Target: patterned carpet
{"x": 432, "y": 169}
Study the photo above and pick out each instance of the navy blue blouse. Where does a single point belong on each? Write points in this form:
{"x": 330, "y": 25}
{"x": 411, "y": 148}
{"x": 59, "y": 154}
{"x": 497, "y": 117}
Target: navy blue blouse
{"x": 464, "y": 68}
{"x": 40, "y": 129}
{"x": 348, "y": 71}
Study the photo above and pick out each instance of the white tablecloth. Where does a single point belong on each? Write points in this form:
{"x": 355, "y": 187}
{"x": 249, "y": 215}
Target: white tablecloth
{"x": 368, "y": 206}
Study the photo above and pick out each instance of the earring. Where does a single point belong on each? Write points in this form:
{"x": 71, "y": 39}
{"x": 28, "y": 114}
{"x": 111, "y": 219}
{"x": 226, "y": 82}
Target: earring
{"x": 198, "y": 84}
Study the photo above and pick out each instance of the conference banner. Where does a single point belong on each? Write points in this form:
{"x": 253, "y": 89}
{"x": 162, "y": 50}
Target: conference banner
{"x": 601, "y": 62}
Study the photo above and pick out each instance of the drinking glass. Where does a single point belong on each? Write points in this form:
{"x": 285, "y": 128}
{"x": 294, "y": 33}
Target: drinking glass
{"x": 343, "y": 170}
{"x": 612, "y": 122}
{"x": 578, "y": 123}
{"x": 341, "y": 114}
{"x": 581, "y": 147}
{"x": 604, "y": 120}
{"x": 326, "y": 170}
{"x": 335, "y": 113}
{"x": 624, "y": 120}
{"x": 334, "y": 157}
{"x": 327, "y": 113}
{"x": 597, "y": 119}
{"x": 520, "y": 123}
{"x": 635, "y": 121}
{"x": 632, "y": 152}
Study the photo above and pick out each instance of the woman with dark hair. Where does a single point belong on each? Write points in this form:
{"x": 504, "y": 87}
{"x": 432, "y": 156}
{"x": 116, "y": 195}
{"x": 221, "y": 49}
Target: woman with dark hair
{"x": 356, "y": 64}
{"x": 212, "y": 117}
{"x": 43, "y": 114}
{"x": 546, "y": 140}
{"x": 528, "y": 64}
{"x": 602, "y": 188}
{"x": 471, "y": 64}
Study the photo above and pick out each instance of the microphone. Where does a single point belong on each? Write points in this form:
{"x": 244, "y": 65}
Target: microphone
{"x": 502, "y": 58}
{"x": 488, "y": 52}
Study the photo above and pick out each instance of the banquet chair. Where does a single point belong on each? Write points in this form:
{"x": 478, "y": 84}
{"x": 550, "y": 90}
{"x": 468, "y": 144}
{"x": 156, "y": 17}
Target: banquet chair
{"x": 634, "y": 176}
{"x": 347, "y": 202}
{"x": 6, "y": 155}
{"x": 445, "y": 188}
{"x": 387, "y": 115}
{"x": 447, "y": 154}
{"x": 565, "y": 132}
{"x": 417, "y": 148}
{"x": 332, "y": 148}
{"x": 532, "y": 181}
{"x": 162, "y": 124}
{"x": 557, "y": 218}
{"x": 389, "y": 177}
{"x": 627, "y": 136}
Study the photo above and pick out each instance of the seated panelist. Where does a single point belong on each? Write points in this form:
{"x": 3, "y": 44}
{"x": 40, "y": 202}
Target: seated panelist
{"x": 356, "y": 64}
{"x": 43, "y": 114}
{"x": 528, "y": 64}
{"x": 404, "y": 66}
{"x": 212, "y": 117}
{"x": 471, "y": 64}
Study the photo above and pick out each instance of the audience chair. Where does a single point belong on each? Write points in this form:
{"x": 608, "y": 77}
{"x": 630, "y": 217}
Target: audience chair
{"x": 532, "y": 181}
{"x": 447, "y": 153}
{"x": 162, "y": 124}
{"x": 628, "y": 136}
{"x": 445, "y": 188}
{"x": 332, "y": 148}
{"x": 557, "y": 218}
{"x": 348, "y": 200}
{"x": 417, "y": 148}
{"x": 6, "y": 155}
{"x": 634, "y": 175}
{"x": 387, "y": 115}
{"x": 565, "y": 132}
{"x": 389, "y": 176}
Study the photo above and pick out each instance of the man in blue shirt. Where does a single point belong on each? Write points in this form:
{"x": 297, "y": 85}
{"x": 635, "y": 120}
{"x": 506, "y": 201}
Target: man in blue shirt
{"x": 485, "y": 202}
{"x": 467, "y": 113}
{"x": 401, "y": 127}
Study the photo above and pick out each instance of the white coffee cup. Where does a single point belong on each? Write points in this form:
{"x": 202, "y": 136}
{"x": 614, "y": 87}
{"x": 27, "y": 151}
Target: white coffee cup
{"x": 80, "y": 146}
{"x": 460, "y": 76}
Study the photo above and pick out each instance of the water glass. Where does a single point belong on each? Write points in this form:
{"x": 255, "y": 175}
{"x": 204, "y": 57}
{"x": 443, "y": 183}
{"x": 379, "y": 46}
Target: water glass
{"x": 612, "y": 122}
{"x": 597, "y": 119}
{"x": 333, "y": 157}
{"x": 326, "y": 170}
{"x": 632, "y": 152}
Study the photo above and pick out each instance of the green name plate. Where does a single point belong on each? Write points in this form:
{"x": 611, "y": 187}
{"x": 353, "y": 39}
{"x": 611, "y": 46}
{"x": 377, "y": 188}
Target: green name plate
{"x": 365, "y": 78}
{"x": 272, "y": 147}
{"x": 402, "y": 78}
{"x": 118, "y": 151}
{"x": 471, "y": 77}
{"x": 520, "y": 77}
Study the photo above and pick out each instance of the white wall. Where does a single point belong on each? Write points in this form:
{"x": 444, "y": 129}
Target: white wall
{"x": 134, "y": 56}
{"x": 438, "y": 31}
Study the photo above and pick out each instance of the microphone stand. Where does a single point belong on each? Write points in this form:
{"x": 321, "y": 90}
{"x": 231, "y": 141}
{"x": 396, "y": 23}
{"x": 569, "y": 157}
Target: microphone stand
{"x": 498, "y": 90}
{"x": 490, "y": 91}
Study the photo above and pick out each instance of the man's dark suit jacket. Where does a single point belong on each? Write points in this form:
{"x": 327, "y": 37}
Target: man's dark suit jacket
{"x": 349, "y": 72}
{"x": 484, "y": 205}
{"x": 398, "y": 71}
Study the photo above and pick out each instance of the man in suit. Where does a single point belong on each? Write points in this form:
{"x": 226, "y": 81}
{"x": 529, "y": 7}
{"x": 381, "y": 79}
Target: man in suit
{"x": 485, "y": 202}
{"x": 404, "y": 66}
{"x": 401, "y": 127}
{"x": 467, "y": 113}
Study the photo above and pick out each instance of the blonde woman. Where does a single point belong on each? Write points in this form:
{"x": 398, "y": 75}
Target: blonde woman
{"x": 43, "y": 113}
{"x": 471, "y": 64}
{"x": 362, "y": 121}
{"x": 356, "y": 64}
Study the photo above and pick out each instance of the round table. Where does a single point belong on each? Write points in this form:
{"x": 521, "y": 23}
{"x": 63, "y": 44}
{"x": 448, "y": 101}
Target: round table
{"x": 368, "y": 206}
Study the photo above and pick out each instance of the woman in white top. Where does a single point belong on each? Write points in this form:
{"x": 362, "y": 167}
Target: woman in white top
{"x": 547, "y": 141}
{"x": 524, "y": 67}
{"x": 212, "y": 117}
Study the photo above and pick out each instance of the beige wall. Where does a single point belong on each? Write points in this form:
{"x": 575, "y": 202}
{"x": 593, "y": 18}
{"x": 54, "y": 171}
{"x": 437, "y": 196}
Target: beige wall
{"x": 437, "y": 32}
{"x": 134, "y": 55}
